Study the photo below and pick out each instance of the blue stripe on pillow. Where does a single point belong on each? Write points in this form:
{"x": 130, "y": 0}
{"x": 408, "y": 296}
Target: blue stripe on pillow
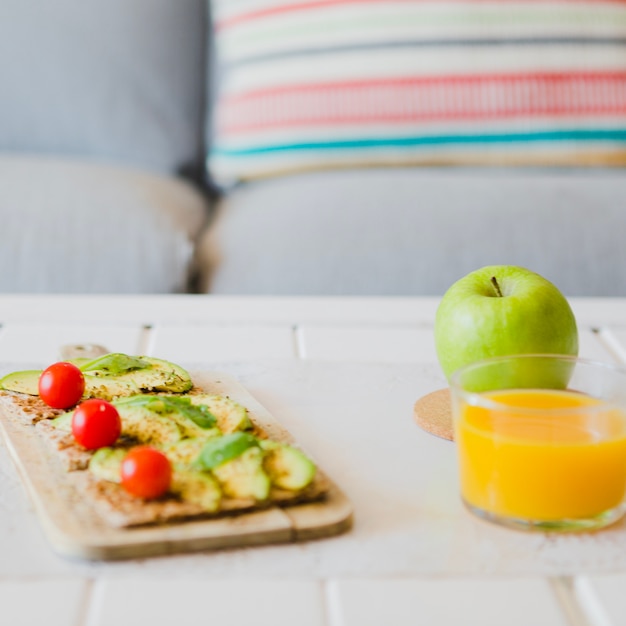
{"x": 609, "y": 135}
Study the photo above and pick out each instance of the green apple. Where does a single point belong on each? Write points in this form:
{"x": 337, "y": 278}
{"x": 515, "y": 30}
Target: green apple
{"x": 503, "y": 310}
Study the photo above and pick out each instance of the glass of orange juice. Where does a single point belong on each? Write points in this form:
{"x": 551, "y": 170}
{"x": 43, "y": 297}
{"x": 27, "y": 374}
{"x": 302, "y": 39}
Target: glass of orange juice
{"x": 541, "y": 441}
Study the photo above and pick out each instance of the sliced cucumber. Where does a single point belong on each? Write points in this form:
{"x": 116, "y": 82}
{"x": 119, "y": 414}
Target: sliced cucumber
{"x": 197, "y": 487}
{"x": 106, "y": 464}
{"x": 244, "y": 477}
{"x": 288, "y": 467}
{"x": 176, "y": 407}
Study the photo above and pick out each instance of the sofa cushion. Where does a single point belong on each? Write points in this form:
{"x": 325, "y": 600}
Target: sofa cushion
{"x": 71, "y": 227}
{"x": 414, "y": 232}
{"x": 122, "y": 80}
{"x": 343, "y": 83}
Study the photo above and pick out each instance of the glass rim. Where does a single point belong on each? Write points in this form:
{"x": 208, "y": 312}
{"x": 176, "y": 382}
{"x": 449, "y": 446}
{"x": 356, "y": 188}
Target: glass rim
{"x": 477, "y": 398}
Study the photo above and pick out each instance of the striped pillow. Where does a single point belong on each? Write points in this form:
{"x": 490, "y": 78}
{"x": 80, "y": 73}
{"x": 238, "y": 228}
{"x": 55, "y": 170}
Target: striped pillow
{"x": 327, "y": 83}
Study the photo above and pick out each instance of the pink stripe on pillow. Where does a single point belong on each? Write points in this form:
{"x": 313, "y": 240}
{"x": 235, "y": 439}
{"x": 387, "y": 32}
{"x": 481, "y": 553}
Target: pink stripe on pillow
{"x": 281, "y": 9}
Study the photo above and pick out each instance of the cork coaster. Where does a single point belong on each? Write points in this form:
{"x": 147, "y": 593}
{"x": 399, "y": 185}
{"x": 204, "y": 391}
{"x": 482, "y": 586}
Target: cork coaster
{"x": 433, "y": 413}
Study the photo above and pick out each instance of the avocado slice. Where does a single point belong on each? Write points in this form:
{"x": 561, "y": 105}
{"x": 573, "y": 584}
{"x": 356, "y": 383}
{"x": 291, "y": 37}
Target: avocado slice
{"x": 112, "y": 376}
{"x": 147, "y": 427}
{"x": 143, "y": 373}
{"x": 287, "y": 467}
{"x": 159, "y": 420}
{"x": 186, "y": 451}
{"x": 194, "y": 420}
{"x": 24, "y": 381}
{"x": 231, "y": 416}
{"x": 197, "y": 487}
{"x": 243, "y": 476}
{"x": 108, "y": 388}
{"x": 138, "y": 423}
{"x": 191, "y": 430}
{"x": 27, "y": 382}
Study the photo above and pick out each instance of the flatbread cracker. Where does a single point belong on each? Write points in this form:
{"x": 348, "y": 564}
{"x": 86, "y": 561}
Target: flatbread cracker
{"x": 109, "y": 500}
{"x": 25, "y": 409}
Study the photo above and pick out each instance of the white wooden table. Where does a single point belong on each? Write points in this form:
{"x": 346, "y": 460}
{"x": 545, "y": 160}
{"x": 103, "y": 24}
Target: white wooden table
{"x": 342, "y": 375}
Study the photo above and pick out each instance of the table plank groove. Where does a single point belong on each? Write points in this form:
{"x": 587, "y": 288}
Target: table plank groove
{"x": 41, "y": 342}
{"x": 393, "y": 344}
{"x": 189, "y": 602}
{"x": 195, "y": 343}
{"x": 406, "y": 602}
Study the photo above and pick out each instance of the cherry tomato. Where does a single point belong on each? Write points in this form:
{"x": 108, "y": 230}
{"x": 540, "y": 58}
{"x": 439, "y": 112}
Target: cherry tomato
{"x": 61, "y": 385}
{"x": 96, "y": 423}
{"x": 146, "y": 472}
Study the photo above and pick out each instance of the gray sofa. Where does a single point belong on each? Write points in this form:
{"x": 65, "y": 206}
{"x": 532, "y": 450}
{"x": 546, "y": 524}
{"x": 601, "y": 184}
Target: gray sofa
{"x": 105, "y": 121}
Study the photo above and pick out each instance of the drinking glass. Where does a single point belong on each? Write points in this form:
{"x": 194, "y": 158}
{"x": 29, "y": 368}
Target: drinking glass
{"x": 541, "y": 441}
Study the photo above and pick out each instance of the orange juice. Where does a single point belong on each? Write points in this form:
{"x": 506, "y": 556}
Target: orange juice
{"x": 552, "y": 455}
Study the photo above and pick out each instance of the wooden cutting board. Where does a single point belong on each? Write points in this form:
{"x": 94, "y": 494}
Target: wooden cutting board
{"x": 74, "y": 530}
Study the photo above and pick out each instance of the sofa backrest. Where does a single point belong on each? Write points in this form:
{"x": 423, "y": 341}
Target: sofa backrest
{"x": 116, "y": 80}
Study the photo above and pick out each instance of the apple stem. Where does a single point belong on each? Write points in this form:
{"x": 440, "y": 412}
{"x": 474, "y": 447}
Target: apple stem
{"x": 494, "y": 282}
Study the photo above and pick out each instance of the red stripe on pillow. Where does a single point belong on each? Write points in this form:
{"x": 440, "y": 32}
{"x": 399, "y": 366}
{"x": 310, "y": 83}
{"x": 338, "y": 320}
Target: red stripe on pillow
{"x": 426, "y": 99}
